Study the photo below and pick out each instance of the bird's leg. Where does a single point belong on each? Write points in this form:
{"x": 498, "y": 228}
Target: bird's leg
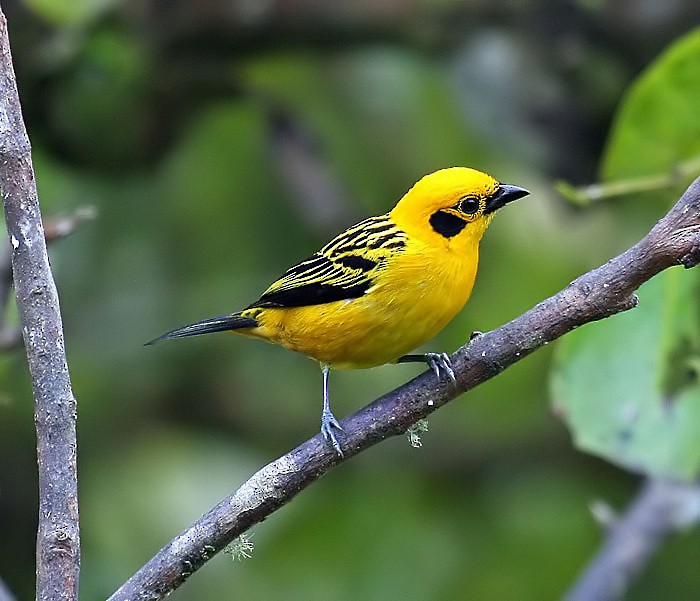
{"x": 328, "y": 421}
{"x": 438, "y": 362}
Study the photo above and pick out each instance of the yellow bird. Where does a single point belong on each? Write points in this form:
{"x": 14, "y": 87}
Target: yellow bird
{"x": 380, "y": 288}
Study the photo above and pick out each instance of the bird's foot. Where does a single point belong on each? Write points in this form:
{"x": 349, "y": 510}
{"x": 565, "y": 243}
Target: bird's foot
{"x": 440, "y": 363}
{"x": 475, "y": 334}
{"x": 328, "y": 424}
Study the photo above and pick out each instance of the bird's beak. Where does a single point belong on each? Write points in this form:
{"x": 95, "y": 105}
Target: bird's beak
{"x": 505, "y": 194}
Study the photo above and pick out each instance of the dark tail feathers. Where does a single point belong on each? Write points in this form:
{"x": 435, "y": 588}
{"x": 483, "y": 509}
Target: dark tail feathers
{"x": 215, "y": 324}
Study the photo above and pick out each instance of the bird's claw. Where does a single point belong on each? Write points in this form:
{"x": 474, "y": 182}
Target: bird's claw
{"x": 328, "y": 424}
{"x": 440, "y": 363}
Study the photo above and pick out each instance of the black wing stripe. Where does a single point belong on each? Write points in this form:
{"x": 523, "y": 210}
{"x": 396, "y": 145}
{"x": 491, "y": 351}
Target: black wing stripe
{"x": 343, "y": 269}
{"x": 398, "y": 243}
{"x": 380, "y": 241}
{"x": 310, "y": 294}
{"x": 357, "y": 236}
{"x": 357, "y": 262}
{"x": 307, "y": 269}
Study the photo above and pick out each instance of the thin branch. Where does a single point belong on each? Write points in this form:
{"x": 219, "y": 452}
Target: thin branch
{"x": 316, "y": 187}
{"x": 60, "y": 227}
{"x": 679, "y": 175}
{"x": 660, "y": 509}
{"x": 5, "y": 593}
{"x": 10, "y": 338}
{"x": 58, "y": 545}
{"x": 55, "y": 229}
{"x": 607, "y": 290}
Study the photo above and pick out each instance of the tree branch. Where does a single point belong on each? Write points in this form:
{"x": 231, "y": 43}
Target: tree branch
{"x": 10, "y": 339}
{"x": 59, "y": 227}
{"x": 58, "y": 545}
{"x": 661, "y": 508}
{"x": 607, "y": 290}
{"x": 5, "y": 279}
{"x": 5, "y": 593}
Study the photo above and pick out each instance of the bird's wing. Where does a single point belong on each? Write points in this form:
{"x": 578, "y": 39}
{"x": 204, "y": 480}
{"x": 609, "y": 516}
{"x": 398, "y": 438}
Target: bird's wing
{"x": 343, "y": 269}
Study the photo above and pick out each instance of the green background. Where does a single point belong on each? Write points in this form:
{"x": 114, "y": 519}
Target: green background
{"x": 221, "y": 141}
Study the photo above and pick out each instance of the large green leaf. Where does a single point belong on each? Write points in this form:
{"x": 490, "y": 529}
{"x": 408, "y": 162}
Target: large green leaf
{"x": 657, "y": 127}
{"x": 628, "y": 386}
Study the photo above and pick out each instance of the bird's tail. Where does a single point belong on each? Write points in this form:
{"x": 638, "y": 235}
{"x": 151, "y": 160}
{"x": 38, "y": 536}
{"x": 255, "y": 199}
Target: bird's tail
{"x": 224, "y": 323}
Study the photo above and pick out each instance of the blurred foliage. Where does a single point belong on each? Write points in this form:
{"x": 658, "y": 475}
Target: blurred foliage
{"x": 69, "y": 12}
{"x": 629, "y": 387}
{"x": 222, "y": 141}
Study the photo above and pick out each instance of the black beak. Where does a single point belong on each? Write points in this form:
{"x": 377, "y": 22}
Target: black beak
{"x": 503, "y": 196}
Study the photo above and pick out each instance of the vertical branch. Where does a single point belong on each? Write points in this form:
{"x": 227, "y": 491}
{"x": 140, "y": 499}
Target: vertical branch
{"x": 58, "y": 544}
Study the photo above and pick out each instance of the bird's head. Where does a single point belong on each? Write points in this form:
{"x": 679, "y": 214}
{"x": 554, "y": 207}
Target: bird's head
{"x": 452, "y": 204}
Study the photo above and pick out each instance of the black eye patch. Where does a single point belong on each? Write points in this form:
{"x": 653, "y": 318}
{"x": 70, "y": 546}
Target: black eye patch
{"x": 446, "y": 224}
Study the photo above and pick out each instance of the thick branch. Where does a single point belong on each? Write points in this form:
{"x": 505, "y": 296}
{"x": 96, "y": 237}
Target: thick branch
{"x": 58, "y": 546}
{"x": 602, "y": 292}
{"x": 661, "y": 508}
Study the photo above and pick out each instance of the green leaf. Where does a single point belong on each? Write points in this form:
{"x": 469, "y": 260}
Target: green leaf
{"x": 658, "y": 125}
{"x": 628, "y": 386}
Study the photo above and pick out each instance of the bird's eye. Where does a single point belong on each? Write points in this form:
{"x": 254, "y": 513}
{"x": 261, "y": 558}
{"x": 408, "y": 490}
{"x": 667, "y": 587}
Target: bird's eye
{"x": 469, "y": 205}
